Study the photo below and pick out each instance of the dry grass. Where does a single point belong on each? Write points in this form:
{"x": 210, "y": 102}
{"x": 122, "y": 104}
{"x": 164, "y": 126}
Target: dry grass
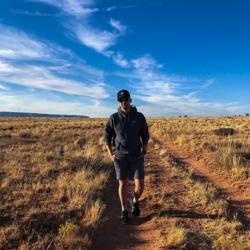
{"x": 191, "y": 212}
{"x": 53, "y": 173}
{"x": 52, "y": 176}
{"x": 222, "y": 143}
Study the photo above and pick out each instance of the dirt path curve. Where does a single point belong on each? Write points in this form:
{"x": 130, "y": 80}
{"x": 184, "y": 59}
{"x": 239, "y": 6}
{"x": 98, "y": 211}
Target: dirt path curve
{"x": 140, "y": 233}
{"x": 237, "y": 194}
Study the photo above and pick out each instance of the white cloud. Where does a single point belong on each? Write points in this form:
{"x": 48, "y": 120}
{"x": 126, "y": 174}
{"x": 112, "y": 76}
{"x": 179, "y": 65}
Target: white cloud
{"x": 5, "y": 67}
{"x": 72, "y": 7}
{"x": 120, "y": 60}
{"x": 42, "y": 78}
{"x": 94, "y": 38}
{"x": 16, "y": 44}
{"x": 118, "y": 25}
{"x": 39, "y": 104}
{"x": 146, "y": 62}
{"x": 115, "y": 7}
{"x": 29, "y": 13}
{"x": 2, "y": 87}
{"x": 166, "y": 95}
{"x": 208, "y": 83}
{"x": 99, "y": 40}
{"x": 26, "y": 61}
{"x": 111, "y": 8}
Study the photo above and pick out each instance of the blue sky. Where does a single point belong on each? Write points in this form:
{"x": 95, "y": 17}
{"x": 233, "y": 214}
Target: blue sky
{"x": 176, "y": 57}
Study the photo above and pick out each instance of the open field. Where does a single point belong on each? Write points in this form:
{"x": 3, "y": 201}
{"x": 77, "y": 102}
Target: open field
{"x": 222, "y": 143}
{"x": 57, "y": 183}
{"x": 52, "y": 176}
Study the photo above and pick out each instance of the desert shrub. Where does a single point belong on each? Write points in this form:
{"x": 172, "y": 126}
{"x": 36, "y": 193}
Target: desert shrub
{"x": 224, "y": 131}
{"x": 72, "y": 237}
{"x": 69, "y": 229}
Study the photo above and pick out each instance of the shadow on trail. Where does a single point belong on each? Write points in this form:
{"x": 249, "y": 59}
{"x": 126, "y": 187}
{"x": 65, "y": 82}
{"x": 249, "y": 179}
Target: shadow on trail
{"x": 187, "y": 214}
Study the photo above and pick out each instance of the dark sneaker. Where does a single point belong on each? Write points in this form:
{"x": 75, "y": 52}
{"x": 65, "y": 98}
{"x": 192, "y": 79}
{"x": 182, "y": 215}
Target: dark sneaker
{"x": 124, "y": 217}
{"x": 135, "y": 208}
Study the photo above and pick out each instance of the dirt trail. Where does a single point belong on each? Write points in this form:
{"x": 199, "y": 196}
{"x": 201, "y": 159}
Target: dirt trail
{"x": 141, "y": 232}
{"x": 236, "y": 193}
{"x": 113, "y": 235}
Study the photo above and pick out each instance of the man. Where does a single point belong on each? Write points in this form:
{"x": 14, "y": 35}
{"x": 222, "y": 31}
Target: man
{"x": 128, "y": 131}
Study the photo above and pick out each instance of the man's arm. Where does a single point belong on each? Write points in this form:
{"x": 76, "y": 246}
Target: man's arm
{"x": 144, "y": 136}
{"x": 108, "y": 135}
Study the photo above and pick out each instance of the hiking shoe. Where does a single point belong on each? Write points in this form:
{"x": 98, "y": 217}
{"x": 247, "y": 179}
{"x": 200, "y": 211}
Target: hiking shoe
{"x": 135, "y": 208}
{"x": 124, "y": 217}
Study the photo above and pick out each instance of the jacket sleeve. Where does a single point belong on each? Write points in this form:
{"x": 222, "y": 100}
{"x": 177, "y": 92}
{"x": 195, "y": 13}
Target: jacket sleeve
{"x": 144, "y": 131}
{"x": 109, "y": 132}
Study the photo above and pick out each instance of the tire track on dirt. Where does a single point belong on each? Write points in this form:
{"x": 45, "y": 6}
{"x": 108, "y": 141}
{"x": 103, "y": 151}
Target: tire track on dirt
{"x": 238, "y": 195}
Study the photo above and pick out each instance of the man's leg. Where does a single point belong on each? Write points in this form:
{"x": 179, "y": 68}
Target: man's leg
{"x": 121, "y": 169}
{"x": 122, "y": 190}
{"x": 137, "y": 172}
{"x": 139, "y": 187}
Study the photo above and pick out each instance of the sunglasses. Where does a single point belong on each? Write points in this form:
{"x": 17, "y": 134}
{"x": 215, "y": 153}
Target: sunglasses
{"x": 124, "y": 99}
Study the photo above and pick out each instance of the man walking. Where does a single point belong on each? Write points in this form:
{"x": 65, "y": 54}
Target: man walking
{"x": 127, "y": 130}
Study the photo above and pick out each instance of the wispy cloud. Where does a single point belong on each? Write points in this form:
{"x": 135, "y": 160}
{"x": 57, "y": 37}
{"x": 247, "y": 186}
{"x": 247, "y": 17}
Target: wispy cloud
{"x": 171, "y": 95}
{"x": 99, "y": 40}
{"x": 2, "y": 87}
{"x": 26, "y": 61}
{"x": 34, "y": 13}
{"x": 76, "y": 8}
{"x": 5, "y": 67}
{"x": 119, "y": 59}
{"x": 16, "y": 44}
{"x": 146, "y": 62}
{"x": 42, "y": 78}
{"x": 118, "y": 25}
{"x": 208, "y": 83}
{"x": 116, "y": 7}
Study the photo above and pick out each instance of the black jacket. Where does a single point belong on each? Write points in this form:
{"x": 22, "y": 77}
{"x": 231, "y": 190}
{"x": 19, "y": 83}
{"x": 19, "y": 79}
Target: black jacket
{"x": 128, "y": 130}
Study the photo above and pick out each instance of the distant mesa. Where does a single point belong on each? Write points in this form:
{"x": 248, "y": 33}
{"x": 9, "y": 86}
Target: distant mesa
{"x": 23, "y": 114}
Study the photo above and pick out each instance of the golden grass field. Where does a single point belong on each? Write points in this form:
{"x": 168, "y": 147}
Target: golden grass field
{"x": 223, "y": 143}
{"x": 54, "y": 174}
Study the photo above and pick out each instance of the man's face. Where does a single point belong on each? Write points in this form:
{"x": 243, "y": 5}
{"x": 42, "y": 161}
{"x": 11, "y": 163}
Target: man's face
{"x": 125, "y": 104}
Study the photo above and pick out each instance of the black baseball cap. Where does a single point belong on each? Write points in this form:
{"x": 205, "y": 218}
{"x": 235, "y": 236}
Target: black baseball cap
{"x": 123, "y": 95}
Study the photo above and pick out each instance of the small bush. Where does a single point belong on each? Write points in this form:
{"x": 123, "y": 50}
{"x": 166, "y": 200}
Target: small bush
{"x": 175, "y": 237}
{"x": 69, "y": 229}
{"x": 72, "y": 237}
{"x": 25, "y": 135}
{"x": 224, "y": 131}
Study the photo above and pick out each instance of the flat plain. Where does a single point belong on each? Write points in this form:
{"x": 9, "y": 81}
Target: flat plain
{"x": 58, "y": 189}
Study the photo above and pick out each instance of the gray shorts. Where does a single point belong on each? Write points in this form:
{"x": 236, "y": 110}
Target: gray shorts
{"x": 129, "y": 167}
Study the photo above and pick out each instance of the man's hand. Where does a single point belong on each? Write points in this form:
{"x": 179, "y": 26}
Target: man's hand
{"x": 113, "y": 157}
{"x": 144, "y": 149}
